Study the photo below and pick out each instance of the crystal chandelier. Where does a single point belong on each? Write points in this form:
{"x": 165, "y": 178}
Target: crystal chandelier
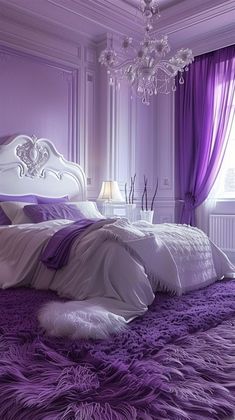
{"x": 143, "y": 63}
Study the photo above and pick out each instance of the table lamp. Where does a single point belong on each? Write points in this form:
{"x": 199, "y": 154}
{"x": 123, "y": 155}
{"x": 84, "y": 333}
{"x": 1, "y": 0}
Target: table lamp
{"x": 109, "y": 193}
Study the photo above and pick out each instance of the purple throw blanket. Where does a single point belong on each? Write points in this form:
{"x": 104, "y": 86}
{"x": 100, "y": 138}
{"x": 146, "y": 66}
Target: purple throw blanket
{"x": 177, "y": 362}
{"x": 56, "y": 253}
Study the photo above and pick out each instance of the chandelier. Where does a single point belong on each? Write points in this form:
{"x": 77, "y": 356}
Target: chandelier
{"x": 143, "y": 64}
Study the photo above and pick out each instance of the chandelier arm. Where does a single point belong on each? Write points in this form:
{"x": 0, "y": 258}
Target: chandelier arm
{"x": 119, "y": 66}
{"x": 164, "y": 64}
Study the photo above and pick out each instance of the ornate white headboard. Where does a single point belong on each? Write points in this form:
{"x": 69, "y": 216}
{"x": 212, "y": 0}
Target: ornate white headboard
{"x": 33, "y": 166}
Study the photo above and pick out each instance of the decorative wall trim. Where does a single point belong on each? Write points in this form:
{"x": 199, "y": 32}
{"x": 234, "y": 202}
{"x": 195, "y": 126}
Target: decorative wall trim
{"x": 90, "y": 19}
{"x": 119, "y": 19}
{"x": 186, "y": 15}
{"x": 211, "y": 42}
{"x": 74, "y": 117}
{"x": 121, "y": 129}
{"x": 70, "y": 77}
{"x": 79, "y": 52}
{"x": 90, "y": 55}
{"x": 132, "y": 133}
{"x": 116, "y": 132}
{"x": 89, "y": 120}
{"x": 111, "y": 134}
{"x": 165, "y": 134}
{"x": 90, "y": 134}
{"x": 25, "y": 40}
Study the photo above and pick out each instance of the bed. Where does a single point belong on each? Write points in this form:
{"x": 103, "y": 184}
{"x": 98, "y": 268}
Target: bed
{"x": 167, "y": 350}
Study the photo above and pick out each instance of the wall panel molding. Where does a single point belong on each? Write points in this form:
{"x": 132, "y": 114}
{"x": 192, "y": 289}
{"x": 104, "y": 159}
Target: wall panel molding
{"x": 69, "y": 77}
{"x": 90, "y": 56}
{"x": 26, "y": 39}
{"x": 90, "y": 138}
{"x": 165, "y": 135}
{"x": 111, "y": 132}
{"x": 132, "y": 132}
{"x": 77, "y": 63}
{"x": 74, "y": 139}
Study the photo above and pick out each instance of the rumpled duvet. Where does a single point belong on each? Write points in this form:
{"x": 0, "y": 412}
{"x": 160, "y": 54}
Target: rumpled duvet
{"x": 113, "y": 271}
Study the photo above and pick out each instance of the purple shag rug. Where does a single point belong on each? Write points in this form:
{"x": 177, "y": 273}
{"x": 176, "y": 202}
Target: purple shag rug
{"x": 177, "y": 362}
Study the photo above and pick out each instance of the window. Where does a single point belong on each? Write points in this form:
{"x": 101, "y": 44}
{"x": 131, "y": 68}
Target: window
{"x": 224, "y": 187}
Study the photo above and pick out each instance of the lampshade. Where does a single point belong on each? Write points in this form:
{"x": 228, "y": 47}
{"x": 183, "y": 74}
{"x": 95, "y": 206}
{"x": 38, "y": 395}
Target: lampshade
{"x": 110, "y": 191}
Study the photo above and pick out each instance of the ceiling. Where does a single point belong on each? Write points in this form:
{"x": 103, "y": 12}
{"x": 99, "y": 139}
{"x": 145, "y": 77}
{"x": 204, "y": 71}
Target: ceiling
{"x": 185, "y": 20}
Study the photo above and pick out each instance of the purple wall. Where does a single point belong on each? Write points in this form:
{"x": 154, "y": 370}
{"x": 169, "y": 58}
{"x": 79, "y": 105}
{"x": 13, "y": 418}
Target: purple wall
{"x": 35, "y": 98}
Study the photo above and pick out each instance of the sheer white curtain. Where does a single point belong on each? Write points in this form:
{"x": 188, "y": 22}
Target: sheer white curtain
{"x": 224, "y": 186}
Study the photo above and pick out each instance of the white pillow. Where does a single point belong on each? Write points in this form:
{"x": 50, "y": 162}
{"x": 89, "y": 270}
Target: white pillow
{"x": 14, "y": 211}
{"x": 88, "y": 208}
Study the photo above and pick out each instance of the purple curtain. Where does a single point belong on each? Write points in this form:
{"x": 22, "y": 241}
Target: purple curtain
{"x": 204, "y": 114}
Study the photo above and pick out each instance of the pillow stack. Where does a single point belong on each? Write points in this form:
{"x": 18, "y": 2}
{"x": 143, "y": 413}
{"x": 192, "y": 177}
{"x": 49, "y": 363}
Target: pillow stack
{"x": 35, "y": 209}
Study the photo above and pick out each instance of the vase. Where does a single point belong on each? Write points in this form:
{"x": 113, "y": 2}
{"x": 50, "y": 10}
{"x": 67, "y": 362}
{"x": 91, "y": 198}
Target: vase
{"x": 131, "y": 212}
{"x": 147, "y": 215}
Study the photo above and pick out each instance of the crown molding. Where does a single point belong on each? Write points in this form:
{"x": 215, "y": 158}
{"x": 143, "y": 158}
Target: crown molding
{"x": 183, "y": 17}
{"x": 43, "y": 22}
{"x": 90, "y": 20}
{"x": 204, "y": 30}
{"x": 74, "y": 18}
{"x": 94, "y": 12}
{"x": 212, "y": 41}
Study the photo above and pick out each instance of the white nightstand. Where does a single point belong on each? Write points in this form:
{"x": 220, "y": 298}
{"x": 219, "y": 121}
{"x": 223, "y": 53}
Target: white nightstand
{"x": 111, "y": 209}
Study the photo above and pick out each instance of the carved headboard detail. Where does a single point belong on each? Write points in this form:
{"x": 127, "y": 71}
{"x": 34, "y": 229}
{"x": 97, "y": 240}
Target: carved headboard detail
{"x": 29, "y": 165}
{"x": 33, "y": 155}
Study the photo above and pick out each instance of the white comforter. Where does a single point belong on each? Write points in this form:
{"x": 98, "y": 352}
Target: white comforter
{"x": 113, "y": 271}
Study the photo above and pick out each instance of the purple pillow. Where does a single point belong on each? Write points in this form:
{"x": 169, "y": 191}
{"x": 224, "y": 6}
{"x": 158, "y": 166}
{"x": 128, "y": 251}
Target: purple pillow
{"x": 51, "y": 200}
{"x": 3, "y": 218}
{"x": 28, "y": 198}
{"x": 42, "y": 212}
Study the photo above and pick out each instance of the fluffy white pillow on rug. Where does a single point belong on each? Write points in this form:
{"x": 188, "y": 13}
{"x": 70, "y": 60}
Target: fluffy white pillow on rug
{"x": 79, "y": 319}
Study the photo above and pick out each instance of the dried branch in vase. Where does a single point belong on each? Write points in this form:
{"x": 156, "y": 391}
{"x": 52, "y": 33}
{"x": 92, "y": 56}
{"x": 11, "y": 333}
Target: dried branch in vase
{"x": 133, "y": 189}
{"x": 154, "y": 195}
{"x": 145, "y": 195}
{"x": 129, "y": 198}
{"x": 144, "y": 198}
{"x": 126, "y": 193}
{"x": 130, "y": 193}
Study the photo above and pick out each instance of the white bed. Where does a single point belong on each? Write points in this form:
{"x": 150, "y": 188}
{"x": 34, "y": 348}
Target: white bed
{"x": 115, "y": 270}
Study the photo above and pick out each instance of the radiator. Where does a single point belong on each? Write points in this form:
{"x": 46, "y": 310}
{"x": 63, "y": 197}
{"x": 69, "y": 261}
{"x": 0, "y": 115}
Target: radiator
{"x": 222, "y": 231}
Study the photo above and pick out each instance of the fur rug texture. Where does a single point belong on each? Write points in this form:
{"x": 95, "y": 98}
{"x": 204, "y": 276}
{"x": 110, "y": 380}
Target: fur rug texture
{"x": 177, "y": 362}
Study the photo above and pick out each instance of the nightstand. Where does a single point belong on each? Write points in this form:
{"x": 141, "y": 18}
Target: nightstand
{"x": 111, "y": 209}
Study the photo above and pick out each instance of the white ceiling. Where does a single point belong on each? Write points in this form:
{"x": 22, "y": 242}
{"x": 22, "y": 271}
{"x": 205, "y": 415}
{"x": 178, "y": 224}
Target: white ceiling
{"x": 185, "y": 20}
